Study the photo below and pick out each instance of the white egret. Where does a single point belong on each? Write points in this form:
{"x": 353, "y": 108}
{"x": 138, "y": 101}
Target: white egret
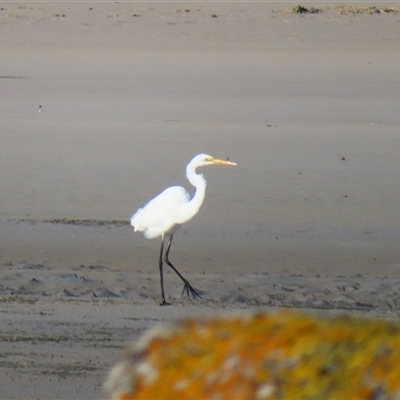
{"x": 165, "y": 214}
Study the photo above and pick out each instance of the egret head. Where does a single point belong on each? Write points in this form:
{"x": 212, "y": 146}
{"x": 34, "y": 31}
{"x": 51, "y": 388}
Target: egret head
{"x": 204, "y": 159}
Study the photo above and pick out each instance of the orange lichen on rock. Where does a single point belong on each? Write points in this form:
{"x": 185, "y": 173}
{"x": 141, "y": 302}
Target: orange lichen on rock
{"x": 268, "y": 356}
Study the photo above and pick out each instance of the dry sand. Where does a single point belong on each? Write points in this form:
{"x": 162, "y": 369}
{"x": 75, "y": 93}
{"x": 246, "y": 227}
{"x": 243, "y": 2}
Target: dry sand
{"x": 102, "y": 106}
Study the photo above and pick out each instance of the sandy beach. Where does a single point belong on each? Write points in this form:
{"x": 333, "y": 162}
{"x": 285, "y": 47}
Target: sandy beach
{"x": 102, "y": 107}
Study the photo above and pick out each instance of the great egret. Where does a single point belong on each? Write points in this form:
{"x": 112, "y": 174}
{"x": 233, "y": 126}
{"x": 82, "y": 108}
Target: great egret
{"x": 165, "y": 214}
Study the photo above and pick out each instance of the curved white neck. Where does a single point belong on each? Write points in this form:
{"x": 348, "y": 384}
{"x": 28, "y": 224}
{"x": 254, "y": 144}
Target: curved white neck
{"x": 198, "y": 181}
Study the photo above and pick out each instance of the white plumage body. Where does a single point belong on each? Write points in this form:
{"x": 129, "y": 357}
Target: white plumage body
{"x": 162, "y": 214}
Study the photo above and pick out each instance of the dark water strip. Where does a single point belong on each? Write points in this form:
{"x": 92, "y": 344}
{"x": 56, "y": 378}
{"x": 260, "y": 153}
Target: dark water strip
{"x": 71, "y": 221}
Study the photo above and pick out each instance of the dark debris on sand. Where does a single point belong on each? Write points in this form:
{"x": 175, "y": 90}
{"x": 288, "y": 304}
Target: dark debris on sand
{"x": 343, "y": 10}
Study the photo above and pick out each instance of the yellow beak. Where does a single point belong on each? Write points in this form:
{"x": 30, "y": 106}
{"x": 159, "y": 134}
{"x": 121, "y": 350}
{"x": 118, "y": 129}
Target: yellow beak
{"x": 216, "y": 161}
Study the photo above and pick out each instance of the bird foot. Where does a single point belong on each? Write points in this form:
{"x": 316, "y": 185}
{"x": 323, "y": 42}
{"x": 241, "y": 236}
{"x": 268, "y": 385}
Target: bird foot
{"x": 188, "y": 289}
{"x": 165, "y": 303}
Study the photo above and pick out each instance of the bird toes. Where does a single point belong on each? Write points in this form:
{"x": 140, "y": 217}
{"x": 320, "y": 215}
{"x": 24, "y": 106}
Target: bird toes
{"x": 188, "y": 289}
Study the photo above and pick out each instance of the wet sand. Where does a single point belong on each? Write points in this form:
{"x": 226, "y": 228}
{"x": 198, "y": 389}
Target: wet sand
{"x": 104, "y": 104}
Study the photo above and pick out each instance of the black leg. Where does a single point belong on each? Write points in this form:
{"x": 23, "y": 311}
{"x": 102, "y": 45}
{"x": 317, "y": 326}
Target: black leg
{"x": 187, "y": 286}
{"x": 160, "y": 266}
